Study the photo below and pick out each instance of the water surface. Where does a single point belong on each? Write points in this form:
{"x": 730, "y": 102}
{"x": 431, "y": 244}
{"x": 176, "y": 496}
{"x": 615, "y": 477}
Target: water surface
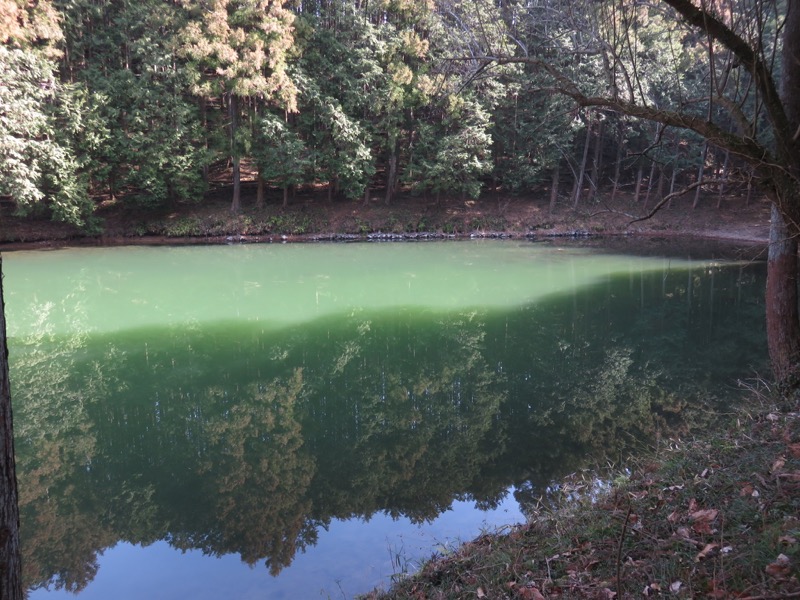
{"x": 305, "y": 420}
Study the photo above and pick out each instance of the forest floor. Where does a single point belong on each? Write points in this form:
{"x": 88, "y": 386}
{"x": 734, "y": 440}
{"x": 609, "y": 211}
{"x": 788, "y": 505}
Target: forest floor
{"x": 312, "y": 217}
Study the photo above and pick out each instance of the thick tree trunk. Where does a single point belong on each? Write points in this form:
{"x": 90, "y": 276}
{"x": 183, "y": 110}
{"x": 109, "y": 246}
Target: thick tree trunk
{"x": 783, "y": 319}
{"x": 10, "y": 563}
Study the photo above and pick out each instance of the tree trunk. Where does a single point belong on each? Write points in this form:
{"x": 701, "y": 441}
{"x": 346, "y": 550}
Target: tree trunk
{"x": 260, "y": 191}
{"x": 594, "y": 182}
{"x": 617, "y": 165}
{"x": 391, "y": 175}
{"x": 723, "y": 178}
{"x": 650, "y": 183}
{"x": 672, "y": 185}
{"x": 10, "y": 562}
{"x": 700, "y": 172}
{"x": 554, "y": 187}
{"x": 236, "y": 201}
{"x": 638, "y": 191}
{"x": 285, "y": 196}
{"x": 582, "y": 172}
{"x": 783, "y": 320}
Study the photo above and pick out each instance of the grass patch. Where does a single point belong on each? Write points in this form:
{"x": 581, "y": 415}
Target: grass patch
{"x": 717, "y": 517}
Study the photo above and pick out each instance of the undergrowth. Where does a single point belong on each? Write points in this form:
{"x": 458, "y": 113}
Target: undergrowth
{"x": 717, "y": 517}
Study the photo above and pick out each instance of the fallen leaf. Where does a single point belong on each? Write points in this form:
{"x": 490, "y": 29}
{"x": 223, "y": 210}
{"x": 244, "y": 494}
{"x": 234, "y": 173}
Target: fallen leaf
{"x": 705, "y": 552}
{"x": 607, "y": 593}
{"x": 702, "y": 527}
{"x": 747, "y": 490}
{"x": 675, "y": 586}
{"x": 778, "y": 464}
{"x": 530, "y": 593}
{"x": 653, "y": 588}
{"x": 788, "y": 540}
{"x": 707, "y": 515}
{"x": 674, "y": 517}
{"x": 794, "y": 450}
{"x": 481, "y": 593}
{"x": 780, "y": 569}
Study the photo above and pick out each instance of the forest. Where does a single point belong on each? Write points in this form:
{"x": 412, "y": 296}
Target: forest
{"x": 153, "y": 103}
{"x": 156, "y": 103}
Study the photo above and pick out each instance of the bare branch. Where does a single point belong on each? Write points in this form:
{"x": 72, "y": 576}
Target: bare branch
{"x": 673, "y": 195}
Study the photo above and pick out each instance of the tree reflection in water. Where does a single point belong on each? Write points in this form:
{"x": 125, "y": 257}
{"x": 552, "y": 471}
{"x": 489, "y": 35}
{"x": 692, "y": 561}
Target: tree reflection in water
{"x": 234, "y": 438}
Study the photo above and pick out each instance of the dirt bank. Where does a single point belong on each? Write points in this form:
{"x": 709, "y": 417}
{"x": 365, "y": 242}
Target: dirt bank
{"x": 310, "y": 217}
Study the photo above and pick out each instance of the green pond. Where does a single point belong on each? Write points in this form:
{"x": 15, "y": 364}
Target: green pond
{"x": 305, "y": 421}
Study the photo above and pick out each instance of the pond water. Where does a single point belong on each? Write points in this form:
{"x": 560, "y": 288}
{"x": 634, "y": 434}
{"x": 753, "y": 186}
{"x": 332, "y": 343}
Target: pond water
{"x": 304, "y": 421}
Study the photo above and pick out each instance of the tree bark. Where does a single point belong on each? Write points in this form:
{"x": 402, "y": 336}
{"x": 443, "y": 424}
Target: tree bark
{"x": 638, "y": 189}
{"x": 391, "y": 175}
{"x": 554, "y": 187}
{"x": 582, "y": 172}
{"x": 10, "y": 561}
{"x": 700, "y": 172}
{"x": 260, "y": 193}
{"x": 783, "y": 320}
{"x": 236, "y": 201}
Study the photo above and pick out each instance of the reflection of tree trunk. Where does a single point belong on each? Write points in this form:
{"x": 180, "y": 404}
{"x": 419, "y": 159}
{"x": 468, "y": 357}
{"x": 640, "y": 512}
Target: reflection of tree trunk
{"x": 783, "y": 321}
{"x": 10, "y": 565}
